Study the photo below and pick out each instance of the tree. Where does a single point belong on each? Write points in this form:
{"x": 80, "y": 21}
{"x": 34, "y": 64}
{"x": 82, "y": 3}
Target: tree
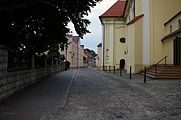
{"x": 53, "y": 51}
{"x": 32, "y": 25}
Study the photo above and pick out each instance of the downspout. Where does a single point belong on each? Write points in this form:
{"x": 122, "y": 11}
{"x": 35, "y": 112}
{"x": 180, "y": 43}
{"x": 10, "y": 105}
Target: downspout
{"x": 103, "y": 43}
{"x": 134, "y": 8}
{"x": 103, "y": 51}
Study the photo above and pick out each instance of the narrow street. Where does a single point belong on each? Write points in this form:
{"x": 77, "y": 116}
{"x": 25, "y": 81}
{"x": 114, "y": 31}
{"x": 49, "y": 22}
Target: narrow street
{"x": 96, "y": 95}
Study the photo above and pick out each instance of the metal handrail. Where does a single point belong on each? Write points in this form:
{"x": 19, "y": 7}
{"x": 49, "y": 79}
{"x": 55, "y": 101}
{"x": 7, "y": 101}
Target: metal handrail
{"x": 165, "y": 58}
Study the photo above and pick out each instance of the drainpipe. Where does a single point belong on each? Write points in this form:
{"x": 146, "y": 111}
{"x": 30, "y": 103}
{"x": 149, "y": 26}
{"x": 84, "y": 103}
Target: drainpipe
{"x": 103, "y": 46}
{"x": 134, "y": 8}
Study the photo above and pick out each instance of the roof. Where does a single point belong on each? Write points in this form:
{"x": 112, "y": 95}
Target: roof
{"x": 171, "y": 34}
{"x": 76, "y": 38}
{"x": 99, "y": 45}
{"x": 173, "y": 17}
{"x": 82, "y": 46}
{"x": 135, "y": 19}
{"x": 116, "y": 10}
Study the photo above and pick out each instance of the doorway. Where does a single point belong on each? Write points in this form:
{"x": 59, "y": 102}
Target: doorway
{"x": 122, "y": 63}
{"x": 177, "y": 51}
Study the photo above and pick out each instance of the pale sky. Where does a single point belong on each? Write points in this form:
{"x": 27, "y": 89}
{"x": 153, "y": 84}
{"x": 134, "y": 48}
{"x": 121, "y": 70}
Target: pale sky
{"x": 92, "y": 39}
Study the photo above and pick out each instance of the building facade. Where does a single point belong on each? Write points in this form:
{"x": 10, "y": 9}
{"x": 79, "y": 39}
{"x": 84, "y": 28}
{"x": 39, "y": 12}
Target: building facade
{"x": 113, "y": 29}
{"x": 73, "y": 52}
{"x": 141, "y": 32}
{"x": 99, "y": 56}
{"x": 90, "y": 59}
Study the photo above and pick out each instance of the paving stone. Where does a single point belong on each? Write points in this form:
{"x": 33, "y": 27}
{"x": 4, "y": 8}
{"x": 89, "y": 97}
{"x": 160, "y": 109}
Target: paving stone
{"x": 97, "y": 95}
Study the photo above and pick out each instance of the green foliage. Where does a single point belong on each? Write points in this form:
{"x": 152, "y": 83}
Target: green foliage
{"x": 36, "y": 24}
{"x": 53, "y": 51}
{"x": 91, "y": 52}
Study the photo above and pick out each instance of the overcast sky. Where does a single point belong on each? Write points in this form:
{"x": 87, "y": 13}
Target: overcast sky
{"x": 91, "y": 40}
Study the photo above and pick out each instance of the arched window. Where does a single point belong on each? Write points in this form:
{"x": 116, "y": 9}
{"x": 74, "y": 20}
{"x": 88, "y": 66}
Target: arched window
{"x": 122, "y": 40}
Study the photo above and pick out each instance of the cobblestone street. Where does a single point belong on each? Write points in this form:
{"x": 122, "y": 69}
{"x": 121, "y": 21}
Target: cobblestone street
{"x": 102, "y": 96}
{"x": 97, "y": 95}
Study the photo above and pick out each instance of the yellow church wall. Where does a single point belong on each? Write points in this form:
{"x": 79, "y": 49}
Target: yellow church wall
{"x": 160, "y": 12}
{"x": 174, "y": 23}
{"x": 129, "y": 11}
{"x": 168, "y": 48}
{"x": 119, "y": 49}
{"x": 139, "y": 45}
{"x": 131, "y": 48}
{"x": 168, "y": 43}
{"x": 134, "y": 37}
{"x": 107, "y": 42}
{"x": 126, "y": 48}
{"x": 117, "y": 25}
{"x": 138, "y": 7}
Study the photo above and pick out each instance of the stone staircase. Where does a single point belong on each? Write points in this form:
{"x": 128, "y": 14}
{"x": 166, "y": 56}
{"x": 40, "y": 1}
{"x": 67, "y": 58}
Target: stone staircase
{"x": 162, "y": 71}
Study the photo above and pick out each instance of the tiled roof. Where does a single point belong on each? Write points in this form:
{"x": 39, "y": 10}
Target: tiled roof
{"x": 171, "y": 34}
{"x": 82, "y": 46}
{"x": 116, "y": 10}
{"x": 135, "y": 19}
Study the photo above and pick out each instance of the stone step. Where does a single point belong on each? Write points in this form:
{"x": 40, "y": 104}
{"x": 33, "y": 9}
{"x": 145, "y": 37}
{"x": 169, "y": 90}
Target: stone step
{"x": 162, "y": 72}
{"x": 165, "y": 71}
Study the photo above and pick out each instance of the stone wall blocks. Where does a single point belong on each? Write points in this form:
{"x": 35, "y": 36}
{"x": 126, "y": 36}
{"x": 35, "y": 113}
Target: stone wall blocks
{"x": 11, "y": 82}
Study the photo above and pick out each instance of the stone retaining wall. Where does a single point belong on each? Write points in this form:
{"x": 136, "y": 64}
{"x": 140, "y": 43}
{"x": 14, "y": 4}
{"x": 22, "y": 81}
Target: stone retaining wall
{"x": 3, "y": 58}
{"x": 11, "y": 82}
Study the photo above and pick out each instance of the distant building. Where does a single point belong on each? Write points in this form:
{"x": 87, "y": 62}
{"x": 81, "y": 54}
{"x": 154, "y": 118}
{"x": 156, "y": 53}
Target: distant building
{"x": 73, "y": 52}
{"x": 82, "y": 57}
{"x": 99, "y": 56}
{"x": 91, "y": 60}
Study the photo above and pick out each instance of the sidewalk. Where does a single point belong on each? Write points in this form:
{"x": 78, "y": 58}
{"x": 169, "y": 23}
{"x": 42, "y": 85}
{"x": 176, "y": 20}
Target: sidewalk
{"x": 162, "y": 86}
{"x": 45, "y": 97}
{"x": 168, "y": 92}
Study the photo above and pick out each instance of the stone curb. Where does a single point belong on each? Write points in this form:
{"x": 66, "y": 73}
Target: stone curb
{"x": 68, "y": 90}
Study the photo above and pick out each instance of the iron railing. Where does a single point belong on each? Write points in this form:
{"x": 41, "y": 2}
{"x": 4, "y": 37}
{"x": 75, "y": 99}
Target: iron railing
{"x": 156, "y": 65}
